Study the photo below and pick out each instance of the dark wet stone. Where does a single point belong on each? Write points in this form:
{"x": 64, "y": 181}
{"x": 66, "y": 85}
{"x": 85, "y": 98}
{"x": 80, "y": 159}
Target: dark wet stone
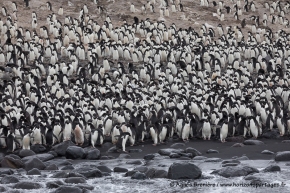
{"x": 149, "y": 157}
{"x": 235, "y": 171}
{"x": 34, "y": 171}
{"x": 194, "y": 151}
{"x": 113, "y": 150}
{"x": 272, "y": 168}
{"x": 27, "y": 185}
{"x": 141, "y": 169}
{"x": 267, "y": 152}
{"x": 37, "y": 148}
{"x": 273, "y": 134}
{"x": 187, "y": 155}
{"x": 242, "y": 158}
{"x": 93, "y": 154}
{"x": 214, "y": 159}
{"x": 85, "y": 186}
{"x": 184, "y": 171}
{"x": 184, "y": 158}
{"x": 250, "y": 177}
{"x": 212, "y": 151}
{"x": 89, "y": 172}
{"x": 75, "y": 180}
{"x": 168, "y": 151}
{"x": 70, "y": 189}
{"x": 54, "y": 184}
{"x": 130, "y": 173}
{"x": 61, "y": 148}
{"x": 282, "y": 156}
{"x": 104, "y": 158}
{"x": 26, "y": 152}
{"x": 229, "y": 164}
{"x": 253, "y": 142}
{"x": 178, "y": 145}
{"x": 135, "y": 150}
{"x": 154, "y": 173}
{"x": 53, "y": 153}
{"x": 124, "y": 156}
{"x": 9, "y": 180}
{"x": 75, "y": 174}
{"x": 138, "y": 176}
{"x": 199, "y": 158}
{"x": 34, "y": 163}
{"x": 51, "y": 167}
{"x": 6, "y": 171}
{"x": 111, "y": 157}
{"x": 2, "y": 189}
{"x": 74, "y": 152}
{"x": 69, "y": 167}
{"x": 11, "y": 161}
{"x": 174, "y": 155}
{"x": 231, "y": 161}
{"x": 43, "y": 157}
{"x": 120, "y": 169}
{"x": 135, "y": 162}
{"x": 104, "y": 169}
{"x": 238, "y": 145}
{"x": 61, "y": 174}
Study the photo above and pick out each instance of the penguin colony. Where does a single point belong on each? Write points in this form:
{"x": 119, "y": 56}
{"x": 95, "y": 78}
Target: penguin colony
{"x": 86, "y": 81}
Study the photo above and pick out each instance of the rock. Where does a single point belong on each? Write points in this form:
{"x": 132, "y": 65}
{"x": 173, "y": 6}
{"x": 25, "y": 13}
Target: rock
{"x": 238, "y": 139}
{"x": 93, "y": 154}
{"x": 187, "y": 155}
{"x": 124, "y": 156}
{"x": 267, "y": 152}
{"x": 61, "y": 174}
{"x": 168, "y": 151}
{"x": 282, "y": 156}
{"x": 51, "y": 167}
{"x": 199, "y": 158}
{"x": 130, "y": 173}
{"x": 53, "y": 153}
{"x": 113, "y": 150}
{"x": 85, "y": 186}
{"x": 154, "y": 173}
{"x": 9, "y": 180}
{"x": 89, "y": 172}
{"x": 235, "y": 171}
{"x": 14, "y": 156}
{"x": 231, "y": 161}
{"x": 215, "y": 159}
{"x": 2, "y": 189}
{"x": 138, "y": 176}
{"x": 184, "y": 171}
{"x": 149, "y": 157}
{"x": 250, "y": 177}
{"x": 27, "y": 185}
{"x": 174, "y": 155}
{"x": 104, "y": 157}
{"x": 120, "y": 169}
{"x": 69, "y": 167}
{"x": 193, "y": 151}
{"x": 141, "y": 169}
{"x": 135, "y": 150}
{"x": 70, "y": 189}
{"x": 273, "y": 134}
{"x": 59, "y": 162}
{"x": 178, "y": 145}
{"x": 74, "y": 152}
{"x": 6, "y": 171}
{"x": 13, "y": 162}
{"x": 212, "y": 151}
{"x": 37, "y": 148}
{"x": 253, "y": 142}
{"x": 42, "y": 157}
{"x": 61, "y": 148}
{"x": 34, "y": 171}
{"x": 34, "y": 163}
{"x": 104, "y": 169}
{"x": 75, "y": 180}
{"x": 272, "y": 168}
{"x": 285, "y": 141}
{"x": 229, "y": 164}
{"x": 242, "y": 158}
{"x": 75, "y": 174}
{"x": 135, "y": 162}
{"x": 26, "y": 152}
{"x": 238, "y": 145}
{"x": 54, "y": 184}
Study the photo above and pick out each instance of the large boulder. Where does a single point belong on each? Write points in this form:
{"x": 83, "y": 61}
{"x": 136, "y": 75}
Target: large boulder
{"x": 138, "y": 176}
{"x": 6, "y": 171}
{"x": 9, "y": 180}
{"x": 272, "y": 168}
{"x": 38, "y": 148}
{"x": 54, "y": 184}
{"x": 184, "y": 171}
{"x": 193, "y": 151}
{"x": 42, "y": 157}
{"x": 75, "y": 180}
{"x": 26, "y": 152}
{"x": 34, "y": 163}
{"x": 155, "y": 173}
{"x": 283, "y": 156}
{"x": 149, "y": 157}
{"x": 120, "y": 170}
{"x": 104, "y": 169}
{"x": 27, "y": 185}
{"x": 271, "y": 134}
{"x": 168, "y": 151}
{"x": 13, "y": 162}
{"x": 60, "y": 149}
{"x": 235, "y": 171}
{"x": 34, "y": 171}
{"x": 89, "y": 172}
{"x": 74, "y": 152}
{"x": 93, "y": 154}
{"x": 253, "y": 142}
{"x": 70, "y": 189}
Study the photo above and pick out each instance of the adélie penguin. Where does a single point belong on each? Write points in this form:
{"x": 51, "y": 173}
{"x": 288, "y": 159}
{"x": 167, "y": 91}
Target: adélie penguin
{"x": 224, "y": 131}
{"x": 97, "y": 137}
{"x": 122, "y": 140}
